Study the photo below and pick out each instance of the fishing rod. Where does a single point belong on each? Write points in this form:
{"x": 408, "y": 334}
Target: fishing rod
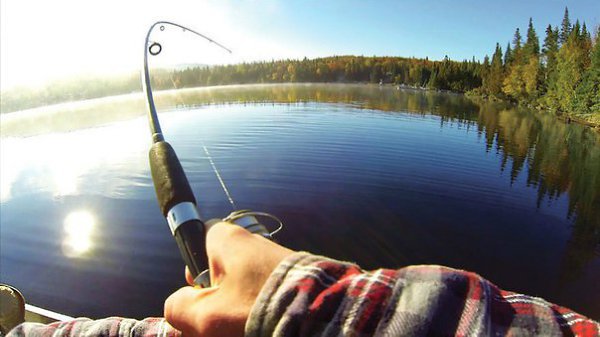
{"x": 173, "y": 191}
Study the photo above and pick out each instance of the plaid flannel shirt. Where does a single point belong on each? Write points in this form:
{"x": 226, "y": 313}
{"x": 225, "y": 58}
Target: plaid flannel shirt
{"x": 309, "y": 295}
{"x": 109, "y": 327}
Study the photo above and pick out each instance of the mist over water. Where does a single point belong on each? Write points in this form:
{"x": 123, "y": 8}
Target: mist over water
{"x": 380, "y": 176}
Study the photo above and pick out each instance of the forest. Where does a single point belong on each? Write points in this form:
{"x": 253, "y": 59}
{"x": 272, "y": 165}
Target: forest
{"x": 560, "y": 75}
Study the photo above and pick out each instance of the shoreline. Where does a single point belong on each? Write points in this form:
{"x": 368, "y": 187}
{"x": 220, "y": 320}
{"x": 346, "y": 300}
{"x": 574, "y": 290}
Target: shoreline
{"x": 567, "y": 118}
{"x": 7, "y": 117}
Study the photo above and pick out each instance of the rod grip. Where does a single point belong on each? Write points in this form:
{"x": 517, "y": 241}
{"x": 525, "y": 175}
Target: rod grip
{"x": 178, "y": 205}
{"x": 170, "y": 182}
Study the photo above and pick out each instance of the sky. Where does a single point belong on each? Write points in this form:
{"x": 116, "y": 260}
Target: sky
{"x": 44, "y": 40}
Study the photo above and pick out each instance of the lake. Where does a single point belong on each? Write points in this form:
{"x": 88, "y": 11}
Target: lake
{"x": 376, "y": 175}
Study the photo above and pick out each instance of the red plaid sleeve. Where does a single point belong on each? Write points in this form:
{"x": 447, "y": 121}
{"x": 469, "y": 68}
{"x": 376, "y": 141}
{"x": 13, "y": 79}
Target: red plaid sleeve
{"x": 107, "y": 327}
{"x": 308, "y": 295}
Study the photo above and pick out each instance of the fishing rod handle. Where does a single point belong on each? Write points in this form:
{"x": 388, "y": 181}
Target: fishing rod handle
{"x": 178, "y": 205}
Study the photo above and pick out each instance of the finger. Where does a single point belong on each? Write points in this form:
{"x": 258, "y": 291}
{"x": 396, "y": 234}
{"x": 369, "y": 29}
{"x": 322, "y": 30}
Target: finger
{"x": 222, "y": 245}
{"x": 214, "y": 253}
{"x": 188, "y": 276}
{"x": 223, "y": 239}
{"x": 182, "y": 307}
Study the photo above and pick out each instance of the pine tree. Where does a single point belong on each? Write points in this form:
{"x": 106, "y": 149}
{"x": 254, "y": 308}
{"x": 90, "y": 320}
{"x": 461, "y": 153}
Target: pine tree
{"x": 570, "y": 66}
{"x": 508, "y": 56}
{"x": 565, "y": 28}
{"x": 587, "y": 99}
{"x": 576, "y": 31}
{"x": 550, "y": 48}
{"x": 532, "y": 45}
{"x": 585, "y": 41}
{"x": 549, "y": 52}
{"x": 492, "y": 84}
{"x": 517, "y": 40}
{"x": 531, "y": 78}
{"x": 531, "y": 64}
{"x": 514, "y": 84}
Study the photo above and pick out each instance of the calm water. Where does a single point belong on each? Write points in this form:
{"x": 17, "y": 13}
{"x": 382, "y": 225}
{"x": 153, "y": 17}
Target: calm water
{"x": 374, "y": 175}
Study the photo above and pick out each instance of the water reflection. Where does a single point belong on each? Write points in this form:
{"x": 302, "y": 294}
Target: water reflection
{"x": 78, "y": 228}
{"x": 556, "y": 158}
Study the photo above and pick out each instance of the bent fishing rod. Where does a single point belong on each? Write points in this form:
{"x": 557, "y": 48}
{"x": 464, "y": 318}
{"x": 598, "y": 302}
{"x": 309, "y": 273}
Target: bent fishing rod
{"x": 173, "y": 191}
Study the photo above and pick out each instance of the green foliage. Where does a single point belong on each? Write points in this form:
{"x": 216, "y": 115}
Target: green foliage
{"x": 587, "y": 94}
{"x": 563, "y": 77}
{"x": 442, "y": 75}
{"x": 549, "y": 54}
{"x": 532, "y": 45}
{"x": 514, "y": 85}
{"x": 508, "y": 56}
{"x": 565, "y": 28}
{"x": 492, "y": 81}
{"x": 517, "y": 40}
{"x": 571, "y": 64}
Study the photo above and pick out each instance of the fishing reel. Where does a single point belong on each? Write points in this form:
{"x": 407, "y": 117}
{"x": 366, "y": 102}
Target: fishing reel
{"x": 248, "y": 220}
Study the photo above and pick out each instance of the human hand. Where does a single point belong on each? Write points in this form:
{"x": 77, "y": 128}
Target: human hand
{"x": 240, "y": 263}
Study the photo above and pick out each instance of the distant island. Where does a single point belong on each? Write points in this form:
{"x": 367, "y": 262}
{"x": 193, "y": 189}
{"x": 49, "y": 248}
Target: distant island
{"x": 561, "y": 76}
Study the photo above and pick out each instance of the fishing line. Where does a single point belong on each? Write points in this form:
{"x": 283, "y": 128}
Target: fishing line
{"x": 221, "y": 181}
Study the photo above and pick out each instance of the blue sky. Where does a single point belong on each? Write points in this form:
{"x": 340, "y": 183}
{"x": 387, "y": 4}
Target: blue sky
{"x": 460, "y": 29}
{"x": 42, "y": 40}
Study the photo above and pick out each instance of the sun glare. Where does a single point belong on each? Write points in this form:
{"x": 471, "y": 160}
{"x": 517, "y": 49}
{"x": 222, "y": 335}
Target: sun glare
{"x": 78, "y": 228}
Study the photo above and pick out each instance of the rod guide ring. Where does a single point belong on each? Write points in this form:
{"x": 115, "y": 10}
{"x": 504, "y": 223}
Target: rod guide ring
{"x": 155, "y": 48}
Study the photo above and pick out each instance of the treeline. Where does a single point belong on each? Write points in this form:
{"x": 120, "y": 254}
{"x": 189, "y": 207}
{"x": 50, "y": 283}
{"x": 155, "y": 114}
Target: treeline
{"x": 561, "y": 75}
{"x": 76, "y": 89}
{"x": 443, "y": 75}
{"x": 422, "y": 73}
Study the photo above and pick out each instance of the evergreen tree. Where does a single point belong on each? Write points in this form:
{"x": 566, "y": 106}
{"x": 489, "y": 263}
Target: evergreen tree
{"x": 587, "y": 99}
{"x": 550, "y": 48}
{"x": 508, "y": 56}
{"x": 565, "y": 28}
{"x": 585, "y": 41}
{"x": 584, "y": 31}
{"x": 576, "y": 32}
{"x": 492, "y": 83}
{"x": 517, "y": 40}
{"x": 570, "y": 66}
{"x": 531, "y": 64}
{"x": 549, "y": 53}
{"x": 532, "y": 45}
{"x": 514, "y": 82}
